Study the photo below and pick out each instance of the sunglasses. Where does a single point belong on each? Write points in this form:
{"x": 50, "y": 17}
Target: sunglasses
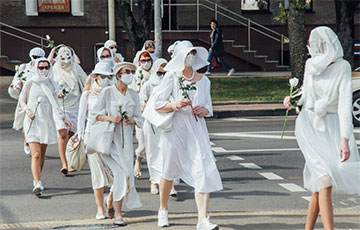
{"x": 105, "y": 56}
{"x": 145, "y": 60}
{"x": 160, "y": 73}
{"x": 36, "y": 57}
{"x": 127, "y": 71}
{"x": 105, "y": 76}
{"x": 193, "y": 52}
{"x": 113, "y": 47}
{"x": 43, "y": 67}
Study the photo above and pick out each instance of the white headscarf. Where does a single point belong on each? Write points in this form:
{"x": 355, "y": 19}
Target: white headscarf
{"x": 136, "y": 58}
{"x": 177, "y": 63}
{"x": 37, "y": 51}
{"x": 99, "y": 52}
{"x": 324, "y": 48}
{"x": 154, "y": 78}
{"x": 172, "y": 48}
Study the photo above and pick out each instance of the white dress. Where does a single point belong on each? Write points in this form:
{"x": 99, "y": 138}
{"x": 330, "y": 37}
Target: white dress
{"x": 120, "y": 160}
{"x": 152, "y": 137}
{"x": 43, "y": 128}
{"x": 70, "y": 103}
{"x": 186, "y": 147}
{"x": 140, "y": 78}
{"x": 100, "y": 172}
{"x": 319, "y": 136}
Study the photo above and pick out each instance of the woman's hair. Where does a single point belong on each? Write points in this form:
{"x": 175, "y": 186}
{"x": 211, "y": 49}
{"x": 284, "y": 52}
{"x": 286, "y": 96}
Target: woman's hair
{"x": 214, "y": 21}
{"x": 45, "y": 61}
{"x": 144, "y": 54}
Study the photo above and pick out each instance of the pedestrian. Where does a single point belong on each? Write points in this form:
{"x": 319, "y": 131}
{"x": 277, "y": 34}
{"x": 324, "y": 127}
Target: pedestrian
{"x": 101, "y": 177}
{"x": 142, "y": 75}
{"x": 111, "y": 44}
{"x": 186, "y": 148}
{"x": 23, "y": 73}
{"x": 324, "y": 129}
{"x": 120, "y": 105}
{"x": 38, "y": 101}
{"x": 149, "y": 45}
{"x": 104, "y": 53}
{"x": 217, "y": 48}
{"x": 70, "y": 77}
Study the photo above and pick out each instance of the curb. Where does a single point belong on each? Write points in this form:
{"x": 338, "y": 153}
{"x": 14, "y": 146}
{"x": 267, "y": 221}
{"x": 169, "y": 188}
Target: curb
{"x": 249, "y": 113}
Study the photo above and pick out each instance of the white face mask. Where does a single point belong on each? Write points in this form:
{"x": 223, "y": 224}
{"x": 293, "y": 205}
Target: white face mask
{"x": 65, "y": 60}
{"x": 146, "y": 66}
{"x": 96, "y": 87}
{"x": 127, "y": 78}
{"x": 43, "y": 73}
{"x": 113, "y": 51}
{"x": 104, "y": 82}
{"x": 189, "y": 60}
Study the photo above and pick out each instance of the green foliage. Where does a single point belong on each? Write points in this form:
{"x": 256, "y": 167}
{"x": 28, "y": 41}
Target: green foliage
{"x": 284, "y": 13}
{"x": 124, "y": 2}
{"x": 186, "y": 88}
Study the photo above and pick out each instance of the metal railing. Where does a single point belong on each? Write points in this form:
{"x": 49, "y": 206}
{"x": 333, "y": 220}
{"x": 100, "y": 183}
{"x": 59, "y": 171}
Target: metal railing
{"x": 220, "y": 10}
{"x": 42, "y": 42}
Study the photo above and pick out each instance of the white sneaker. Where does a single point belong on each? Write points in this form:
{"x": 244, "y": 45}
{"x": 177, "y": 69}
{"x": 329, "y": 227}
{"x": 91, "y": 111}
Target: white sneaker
{"x": 207, "y": 73}
{"x": 39, "y": 185}
{"x": 231, "y": 72}
{"x": 27, "y": 150}
{"x": 163, "y": 220}
{"x": 37, "y": 190}
{"x": 206, "y": 225}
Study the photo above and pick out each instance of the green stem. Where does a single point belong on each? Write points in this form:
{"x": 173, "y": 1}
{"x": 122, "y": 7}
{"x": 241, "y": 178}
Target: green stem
{"x": 283, "y": 129}
{"x": 152, "y": 127}
{"x": 122, "y": 133}
{"x": 33, "y": 119}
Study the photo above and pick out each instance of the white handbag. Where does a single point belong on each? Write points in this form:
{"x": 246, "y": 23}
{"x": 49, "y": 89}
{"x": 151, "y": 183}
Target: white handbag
{"x": 100, "y": 138}
{"x": 162, "y": 121}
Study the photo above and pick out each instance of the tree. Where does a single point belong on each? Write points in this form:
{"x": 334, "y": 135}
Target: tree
{"x": 345, "y": 10}
{"x": 137, "y": 30}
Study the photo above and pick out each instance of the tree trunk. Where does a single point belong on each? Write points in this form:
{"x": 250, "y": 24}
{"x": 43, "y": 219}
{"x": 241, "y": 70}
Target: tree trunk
{"x": 138, "y": 31}
{"x": 297, "y": 43}
{"x": 345, "y": 10}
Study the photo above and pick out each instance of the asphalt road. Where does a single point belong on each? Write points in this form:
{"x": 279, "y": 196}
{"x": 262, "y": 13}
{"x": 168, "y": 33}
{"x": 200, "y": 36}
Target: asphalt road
{"x": 261, "y": 173}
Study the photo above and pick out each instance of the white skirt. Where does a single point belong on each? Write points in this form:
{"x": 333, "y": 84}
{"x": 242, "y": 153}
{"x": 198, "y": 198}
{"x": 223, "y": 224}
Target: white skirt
{"x": 72, "y": 116}
{"x": 100, "y": 173}
{"x": 321, "y": 151}
{"x": 42, "y": 130}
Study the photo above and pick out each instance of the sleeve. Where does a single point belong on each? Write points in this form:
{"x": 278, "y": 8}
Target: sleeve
{"x": 138, "y": 118}
{"x": 345, "y": 103}
{"x": 208, "y": 104}
{"x": 216, "y": 38}
{"x": 303, "y": 87}
{"x": 163, "y": 91}
{"x": 24, "y": 94}
{"x": 14, "y": 89}
{"x": 144, "y": 93}
{"x": 101, "y": 102}
{"x": 82, "y": 114}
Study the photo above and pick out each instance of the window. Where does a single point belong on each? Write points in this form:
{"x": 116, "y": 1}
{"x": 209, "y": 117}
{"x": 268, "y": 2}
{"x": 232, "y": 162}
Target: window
{"x": 255, "y": 5}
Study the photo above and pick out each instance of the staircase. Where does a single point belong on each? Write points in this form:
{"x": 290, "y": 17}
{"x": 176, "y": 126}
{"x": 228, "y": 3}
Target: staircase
{"x": 8, "y": 65}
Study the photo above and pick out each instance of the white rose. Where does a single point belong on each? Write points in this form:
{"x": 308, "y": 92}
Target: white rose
{"x": 40, "y": 99}
{"x": 47, "y": 37}
{"x": 61, "y": 84}
{"x": 121, "y": 103}
{"x": 179, "y": 74}
{"x": 16, "y": 68}
{"x": 293, "y": 82}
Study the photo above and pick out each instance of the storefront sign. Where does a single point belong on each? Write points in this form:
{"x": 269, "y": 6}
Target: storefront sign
{"x": 62, "y": 6}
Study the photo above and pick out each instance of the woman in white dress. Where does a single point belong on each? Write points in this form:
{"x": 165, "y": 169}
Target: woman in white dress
{"x": 101, "y": 77}
{"x": 324, "y": 129}
{"x": 70, "y": 77}
{"x": 142, "y": 75}
{"x": 112, "y": 103}
{"x": 38, "y": 100}
{"x": 23, "y": 73}
{"x": 186, "y": 147}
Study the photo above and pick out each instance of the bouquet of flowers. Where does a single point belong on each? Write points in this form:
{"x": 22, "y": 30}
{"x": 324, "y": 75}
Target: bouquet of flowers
{"x": 125, "y": 117}
{"x": 39, "y": 100}
{"x": 185, "y": 88}
{"x": 295, "y": 95}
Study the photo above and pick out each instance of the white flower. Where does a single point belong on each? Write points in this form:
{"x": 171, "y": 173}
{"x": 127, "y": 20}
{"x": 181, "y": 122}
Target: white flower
{"x": 40, "y": 99}
{"x": 179, "y": 74}
{"x": 61, "y": 84}
{"x": 293, "y": 82}
{"x": 16, "y": 68}
{"x": 121, "y": 103}
{"x": 47, "y": 37}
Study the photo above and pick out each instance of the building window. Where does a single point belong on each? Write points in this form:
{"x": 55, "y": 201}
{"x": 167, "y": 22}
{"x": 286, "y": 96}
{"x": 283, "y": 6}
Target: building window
{"x": 255, "y": 5}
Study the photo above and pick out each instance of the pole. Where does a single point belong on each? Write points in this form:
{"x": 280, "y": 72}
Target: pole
{"x": 158, "y": 29}
{"x": 111, "y": 16}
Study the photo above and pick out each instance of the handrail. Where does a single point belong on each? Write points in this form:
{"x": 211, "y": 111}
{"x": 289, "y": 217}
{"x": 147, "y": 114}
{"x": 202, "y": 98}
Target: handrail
{"x": 24, "y": 32}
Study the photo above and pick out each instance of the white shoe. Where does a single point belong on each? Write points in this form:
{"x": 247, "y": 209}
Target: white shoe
{"x": 119, "y": 222}
{"x": 206, "y": 225}
{"x": 207, "y": 73}
{"x": 231, "y": 72}
{"x": 27, "y": 150}
{"x": 163, "y": 220}
{"x": 39, "y": 185}
{"x": 37, "y": 190}
{"x": 102, "y": 217}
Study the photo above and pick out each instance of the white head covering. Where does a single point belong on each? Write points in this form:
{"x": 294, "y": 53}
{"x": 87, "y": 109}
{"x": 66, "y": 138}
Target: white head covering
{"x": 35, "y": 72}
{"x": 172, "y": 48}
{"x": 100, "y": 50}
{"x": 103, "y": 67}
{"x": 109, "y": 43}
{"x": 37, "y": 51}
{"x": 137, "y": 55}
{"x": 324, "y": 48}
{"x": 154, "y": 78}
{"x": 177, "y": 63}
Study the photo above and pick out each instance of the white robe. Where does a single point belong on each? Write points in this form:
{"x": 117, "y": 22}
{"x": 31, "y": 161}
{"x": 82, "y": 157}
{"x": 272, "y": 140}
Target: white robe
{"x": 186, "y": 147}
{"x": 121, "y": 159}
{"x": 323, "y": 121}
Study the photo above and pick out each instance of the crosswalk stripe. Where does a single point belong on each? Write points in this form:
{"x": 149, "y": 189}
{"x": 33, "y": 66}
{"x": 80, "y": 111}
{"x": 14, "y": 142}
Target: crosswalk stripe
{"x": 292, "y": 187}
{"x": 250, "y": 165}
{"x": 306, "y": 198}
{"x": 212, "y": 144}
{"x": 219, "y": 149}
{"x": 271, "y": 176}
{"x": 235, "y": 158}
